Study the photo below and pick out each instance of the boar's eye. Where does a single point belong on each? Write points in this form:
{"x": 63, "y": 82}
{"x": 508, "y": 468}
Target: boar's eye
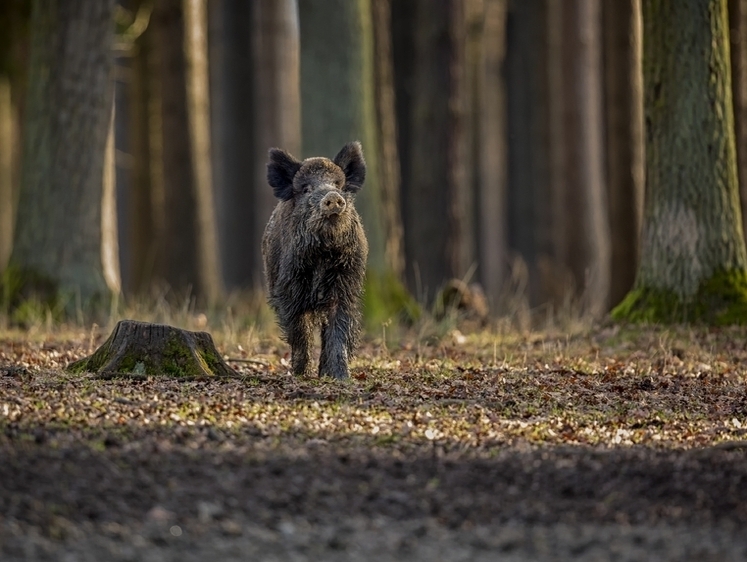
{"x": 306, "y": 187}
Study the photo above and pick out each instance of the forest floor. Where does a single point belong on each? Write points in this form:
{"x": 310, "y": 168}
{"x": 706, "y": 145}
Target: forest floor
{"x": 612, "y": 444}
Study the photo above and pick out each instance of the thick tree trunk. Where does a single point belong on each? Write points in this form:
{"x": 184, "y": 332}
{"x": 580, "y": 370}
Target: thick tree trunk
{"x": 142, "y": 349}
{"x": 436, "y": 172}
{"x": 338, "y": 105}
{"x": 176, "y": 261}
{"x": 139, "y": 225}
{"x": 625, "y": 147}
{"x": 278, "y": 104}
{"x": 337, "y": 97}
{"x": 233, "y": 94}
{"x": 402, "y": 25}
{"x": 187, "y": 259}
{"x": 14, "y": 47}
{"x": 386, "y": 123}
{"x": 58, "y": 228}
{"x": 738, "y": 36}
{"x": 693, "y": 259}
{"x": 528, "y": 99}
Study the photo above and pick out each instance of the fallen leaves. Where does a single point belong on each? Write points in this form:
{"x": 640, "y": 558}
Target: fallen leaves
{"x": 460, "y": 396}
{"x": 584, "y": 393}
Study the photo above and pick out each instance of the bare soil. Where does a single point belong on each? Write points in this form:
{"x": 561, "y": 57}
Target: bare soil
{"x": 618, "y": 444}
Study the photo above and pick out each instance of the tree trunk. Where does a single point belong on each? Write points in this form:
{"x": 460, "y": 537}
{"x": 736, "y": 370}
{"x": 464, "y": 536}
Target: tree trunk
{"x": 195, "y": 46}
{"x": 738, "y": 36}
{"x": 386, "y": 133}
{"x": 141, "y": 349}
{"x": 556, "y": 278}
{"x": 232, "y": 79}
{"x": 175, "y": 264}
{"x": 139, "y": 211}
{"x": 255, "y": 87}
{"x": 6, "y": 173}
{"x": 473, "y": 28}
{"x": 693, "y": 260}
{"x": 436, "y": 171}
{"x": 338, "y": 106}
{"x": 109, "y": 230}
{"x": 337, "y": 96}
{"x": 188, "y": 259}
{"x": 588, "y": 235}
{"x": 625, "y": 151}
{"x": 492, "y": 240}
{"x": 58, "y": 230}
{"x": 402, "y": 25}
{"x": 14, "y": 46}
{"x": 278, "y": 105}
{"x": 528, "y": 164}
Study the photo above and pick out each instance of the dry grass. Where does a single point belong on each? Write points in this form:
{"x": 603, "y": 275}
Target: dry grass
{"x": 677, "y": 387}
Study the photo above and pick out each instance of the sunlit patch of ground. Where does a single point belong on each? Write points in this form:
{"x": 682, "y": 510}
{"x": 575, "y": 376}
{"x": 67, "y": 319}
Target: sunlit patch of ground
{"x": 624, "y": 426}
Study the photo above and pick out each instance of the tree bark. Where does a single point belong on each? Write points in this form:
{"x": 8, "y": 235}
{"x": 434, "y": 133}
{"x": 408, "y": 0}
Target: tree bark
{"x": 14, "y": 57}
{"x": 492, "y": 241}
{"x": 528, "y": 165}
{"x": 436, "y": 172}
{"x": 338, "y": 106}
{"x": 473, "y": 28}
{"x": 337, "y": 97}
{"x": 386, "y": 133}
{"x": 588, "y": 235}
{"x": 624, "y": 139}
{"x": 187, "y": 254}
{"x": 139, "y": 212}
{"x": 195, "y": 46}
{"x": 693, "y": 259}
{"x": 172, "y": 173}
{"x": 278, "y": 104}
{"x": 232, "y": 77}
{"x": 738, "y": 36}
{"x": 141, "y": 349}
{"x": 7, "y": 205}
{"x": 109, "y": 230}
{"x": 556, "y": 277}
{"x": 58, "y": 229}
{"x": 402, "y": 25}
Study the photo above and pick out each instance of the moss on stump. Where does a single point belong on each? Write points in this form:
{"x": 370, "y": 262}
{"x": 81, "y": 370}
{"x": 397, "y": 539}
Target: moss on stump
{"x": 722, "y": 300}
{"x": 144, "y": 349}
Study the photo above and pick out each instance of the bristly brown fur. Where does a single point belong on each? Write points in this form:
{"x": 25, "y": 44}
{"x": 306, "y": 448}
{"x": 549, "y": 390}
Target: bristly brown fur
{"x": 315, "y": 250}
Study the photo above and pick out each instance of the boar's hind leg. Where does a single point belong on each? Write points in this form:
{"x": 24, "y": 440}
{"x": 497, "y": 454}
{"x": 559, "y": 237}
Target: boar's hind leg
{"x": 337, "y": 334}
{"x": 300, "y": 337}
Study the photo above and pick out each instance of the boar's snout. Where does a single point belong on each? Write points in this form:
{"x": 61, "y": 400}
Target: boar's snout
{"x": 332, "y": 204}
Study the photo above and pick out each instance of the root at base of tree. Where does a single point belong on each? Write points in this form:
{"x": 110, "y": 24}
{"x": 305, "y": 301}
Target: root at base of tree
{"x": 720, "y": 301}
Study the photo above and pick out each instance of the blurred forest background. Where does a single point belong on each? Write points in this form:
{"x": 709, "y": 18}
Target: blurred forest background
{"x": 504, "y": 141}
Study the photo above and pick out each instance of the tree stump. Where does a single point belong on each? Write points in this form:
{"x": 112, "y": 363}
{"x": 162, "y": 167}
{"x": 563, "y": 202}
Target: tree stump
{"x": 145, "y": 349}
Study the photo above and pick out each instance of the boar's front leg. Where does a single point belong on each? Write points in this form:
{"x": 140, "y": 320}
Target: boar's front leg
{"x": 338, "y": 335}
{"x": 300, "y": 337}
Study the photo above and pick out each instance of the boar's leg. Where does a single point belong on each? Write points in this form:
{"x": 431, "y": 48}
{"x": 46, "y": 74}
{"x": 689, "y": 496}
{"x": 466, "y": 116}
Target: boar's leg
{"x": 336, "y": 334}
{"x": 300, "y": 337}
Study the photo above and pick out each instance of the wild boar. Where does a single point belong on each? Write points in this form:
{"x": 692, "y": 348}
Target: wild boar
{"x": 314, "y": 250}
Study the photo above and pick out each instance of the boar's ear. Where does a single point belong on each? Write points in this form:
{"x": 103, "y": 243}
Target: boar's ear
{"x": 350, "y": 159}
{"x": 281, "y": 169}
